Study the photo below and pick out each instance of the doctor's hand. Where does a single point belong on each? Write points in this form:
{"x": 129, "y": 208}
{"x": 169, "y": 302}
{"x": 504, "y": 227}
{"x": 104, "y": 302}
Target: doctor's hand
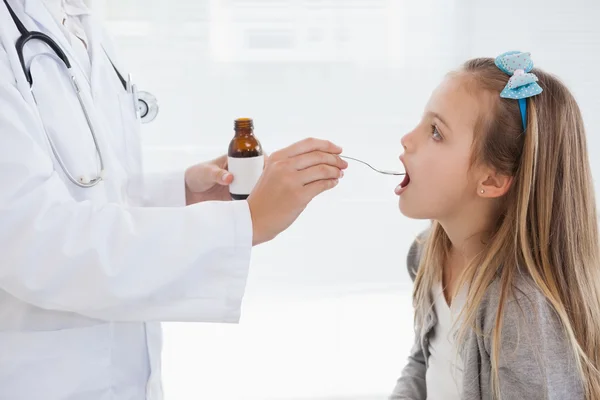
{"x": 292, "y": 177}
{"x": 208, "y": 181}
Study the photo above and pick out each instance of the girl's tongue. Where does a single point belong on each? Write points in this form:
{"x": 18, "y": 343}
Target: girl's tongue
{"x": 406, "y": 181}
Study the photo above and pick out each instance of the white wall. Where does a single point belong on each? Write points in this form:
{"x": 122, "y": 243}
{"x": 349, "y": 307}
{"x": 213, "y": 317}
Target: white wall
{"x": 327, "y": 312}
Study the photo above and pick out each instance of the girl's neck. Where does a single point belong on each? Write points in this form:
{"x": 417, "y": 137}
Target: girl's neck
{"x": 468, "y": 241}
{"x": 468, "y": 231}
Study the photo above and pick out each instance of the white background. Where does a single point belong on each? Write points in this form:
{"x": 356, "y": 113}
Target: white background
{"x": 327, "y": 313}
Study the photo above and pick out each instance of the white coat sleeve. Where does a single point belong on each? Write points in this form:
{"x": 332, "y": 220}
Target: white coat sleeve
{"x": 110, "y": 262}
{"x": 165, "y": 189}
{"x": 160, "y": 189}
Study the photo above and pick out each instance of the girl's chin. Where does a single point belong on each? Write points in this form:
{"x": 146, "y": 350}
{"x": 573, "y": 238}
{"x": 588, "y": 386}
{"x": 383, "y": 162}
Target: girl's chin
{"x": 411, "y": 210}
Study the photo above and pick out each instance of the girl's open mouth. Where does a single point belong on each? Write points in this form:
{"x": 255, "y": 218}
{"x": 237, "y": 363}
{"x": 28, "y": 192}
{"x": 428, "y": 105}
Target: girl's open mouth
{"x": 402, "y": 186}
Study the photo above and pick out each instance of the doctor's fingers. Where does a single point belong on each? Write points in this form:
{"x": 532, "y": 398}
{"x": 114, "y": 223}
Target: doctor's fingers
{"x": 314, "y": 158}
{"x": 318, "y": 173}
{"x": 315, "y": 188}
{"x": 307, "y": 146}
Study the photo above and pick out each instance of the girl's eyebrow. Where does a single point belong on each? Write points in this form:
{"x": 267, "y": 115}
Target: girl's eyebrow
{"x": 439, "y": 117}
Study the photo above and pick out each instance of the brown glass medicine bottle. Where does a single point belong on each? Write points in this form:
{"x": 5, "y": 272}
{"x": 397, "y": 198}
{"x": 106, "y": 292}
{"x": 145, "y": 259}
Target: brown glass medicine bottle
{"x": 245, "y": 160}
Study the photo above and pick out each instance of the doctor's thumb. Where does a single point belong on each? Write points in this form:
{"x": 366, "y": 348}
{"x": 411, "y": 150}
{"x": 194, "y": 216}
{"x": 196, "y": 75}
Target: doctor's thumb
{"x": 222, "y": 176}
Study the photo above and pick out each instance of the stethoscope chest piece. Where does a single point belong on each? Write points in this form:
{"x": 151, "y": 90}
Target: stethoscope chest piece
{"x": 147, "y": 106}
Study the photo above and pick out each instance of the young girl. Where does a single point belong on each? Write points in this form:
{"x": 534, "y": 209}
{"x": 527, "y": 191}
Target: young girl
{"x": 507, "y": 286}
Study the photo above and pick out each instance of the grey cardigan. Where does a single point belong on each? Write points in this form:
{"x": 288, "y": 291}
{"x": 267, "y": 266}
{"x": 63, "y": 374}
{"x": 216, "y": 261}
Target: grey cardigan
{"x": 536, "y": 361}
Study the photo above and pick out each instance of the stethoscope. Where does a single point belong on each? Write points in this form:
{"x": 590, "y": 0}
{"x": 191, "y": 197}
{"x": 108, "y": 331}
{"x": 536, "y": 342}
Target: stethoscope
{"x": 144, "y": 104}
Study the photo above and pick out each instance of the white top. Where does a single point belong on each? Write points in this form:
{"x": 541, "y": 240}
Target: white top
{"x": 444, "y": 373}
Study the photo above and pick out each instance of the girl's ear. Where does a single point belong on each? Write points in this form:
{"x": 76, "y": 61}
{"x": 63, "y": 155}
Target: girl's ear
{"x": 494, "y": 185}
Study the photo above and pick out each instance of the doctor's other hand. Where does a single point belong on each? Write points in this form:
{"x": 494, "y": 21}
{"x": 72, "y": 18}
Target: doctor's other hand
{"x": 208, "y": 181}
{"x": 292, "y": 177}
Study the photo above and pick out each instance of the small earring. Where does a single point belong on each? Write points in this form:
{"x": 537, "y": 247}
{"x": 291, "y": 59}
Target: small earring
{"x": 482, "y": 191}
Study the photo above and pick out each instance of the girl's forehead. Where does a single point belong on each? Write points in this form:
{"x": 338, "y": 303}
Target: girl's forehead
{"x": 458, "y": 102}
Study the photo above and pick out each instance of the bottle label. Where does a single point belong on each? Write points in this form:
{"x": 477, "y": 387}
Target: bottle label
{"x": 246, "y": 172}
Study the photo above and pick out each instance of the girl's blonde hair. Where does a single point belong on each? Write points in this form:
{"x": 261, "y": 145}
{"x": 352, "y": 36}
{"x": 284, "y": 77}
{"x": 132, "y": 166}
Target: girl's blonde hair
{"x": 547, "y": 227}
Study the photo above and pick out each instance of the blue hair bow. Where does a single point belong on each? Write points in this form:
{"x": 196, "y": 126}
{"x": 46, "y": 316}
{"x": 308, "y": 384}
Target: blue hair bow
{"x": 522, "y": 83}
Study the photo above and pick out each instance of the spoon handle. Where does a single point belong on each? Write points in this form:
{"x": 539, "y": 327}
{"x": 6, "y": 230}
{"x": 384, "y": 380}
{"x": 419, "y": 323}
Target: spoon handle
{"x": 374, "y": 169}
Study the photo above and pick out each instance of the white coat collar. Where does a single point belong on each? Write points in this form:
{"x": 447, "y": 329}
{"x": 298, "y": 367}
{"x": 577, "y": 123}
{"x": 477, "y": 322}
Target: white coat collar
{"x": 68, "y": 12}
{"x": 46, "y": 24}
{"x": 72, "y": 8}
{"x": 96, "y": 50}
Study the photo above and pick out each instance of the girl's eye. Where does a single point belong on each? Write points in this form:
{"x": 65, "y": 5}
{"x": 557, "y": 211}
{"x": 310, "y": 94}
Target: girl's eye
{"x": 435, "y": 133}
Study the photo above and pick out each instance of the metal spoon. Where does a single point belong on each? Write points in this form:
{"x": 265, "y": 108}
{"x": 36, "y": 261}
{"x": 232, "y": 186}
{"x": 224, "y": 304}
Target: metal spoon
{"x": 385, "y": 172}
